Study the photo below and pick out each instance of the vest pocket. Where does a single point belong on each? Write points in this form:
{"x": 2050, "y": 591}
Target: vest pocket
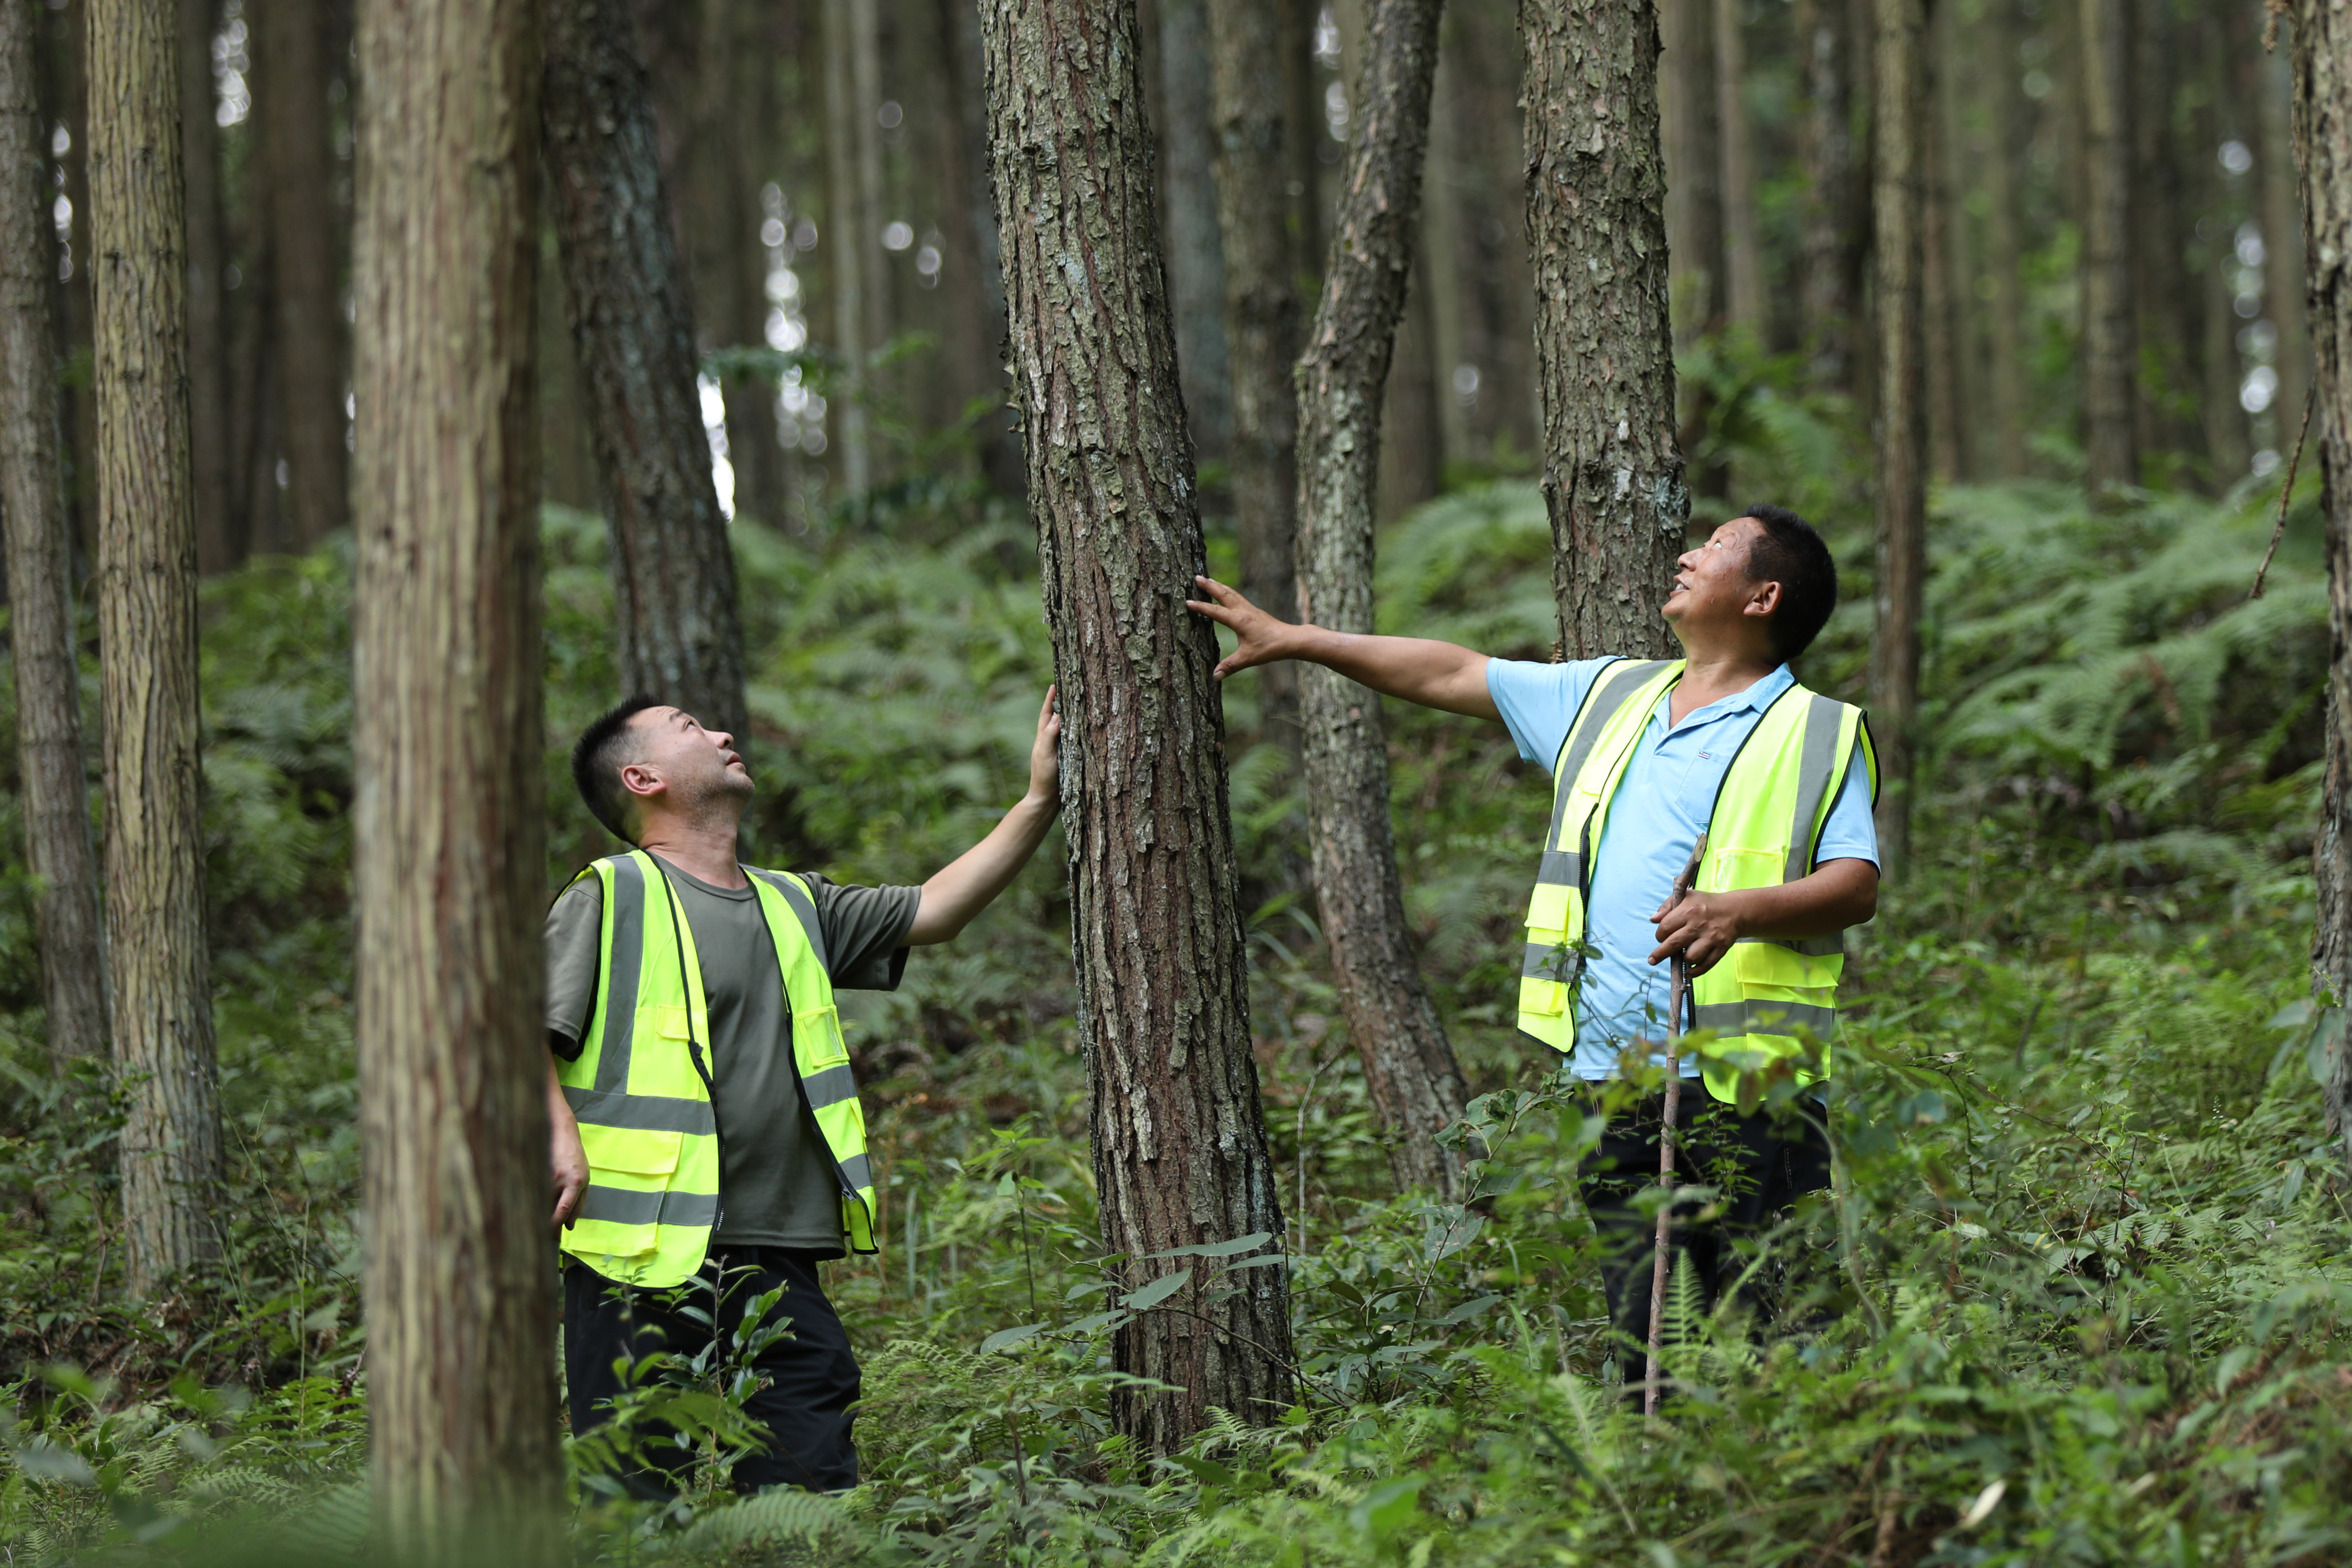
{"x": 816, "y": 1039}
{"x": 645, "y": 1155}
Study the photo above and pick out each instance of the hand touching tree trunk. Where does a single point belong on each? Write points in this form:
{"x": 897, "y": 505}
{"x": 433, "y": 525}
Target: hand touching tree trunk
{"x": 1163, "y": 997}
{"x": 1409, "y": 1066}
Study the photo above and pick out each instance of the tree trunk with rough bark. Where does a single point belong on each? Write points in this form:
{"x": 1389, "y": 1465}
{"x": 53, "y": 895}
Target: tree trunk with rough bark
{"x": 1901, "y": 107}
{"x": 1831, "y": 241}
{"x": 217, "y": 546}
{"x": 673, "y": 568}
{"x": 1187, "y": 156}
{"x": 162, "y": 1016}
{"x": 1409, "y": 1067}
{"x": 1743, "y": 237}
{"x": 41, "y": 640}
{"x": 2323, "y": 127}
{"x": 1262, "y": 324}
{"x": 1163, "y": 997}
{"x": 1612, "y": 472}
{"x": 448, "y": 828}
{"x": 291, "y": 96}
{"x": 2109, "y": 350}
{"x": 1691, "y": 140}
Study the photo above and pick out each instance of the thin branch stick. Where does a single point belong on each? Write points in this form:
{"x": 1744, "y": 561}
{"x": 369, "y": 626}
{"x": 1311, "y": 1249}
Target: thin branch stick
{"x": 2278, "y": 531}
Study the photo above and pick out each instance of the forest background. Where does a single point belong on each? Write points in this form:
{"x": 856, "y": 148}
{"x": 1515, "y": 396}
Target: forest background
{"x": 2089, "y": 1234}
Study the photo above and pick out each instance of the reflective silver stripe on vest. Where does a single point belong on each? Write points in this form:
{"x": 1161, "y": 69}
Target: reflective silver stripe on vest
{"x": 1618, "y": 682}
{"x": 641, "y": 1112}
{"x": 857, "y": 1171}
{"x": 830, "y": 1087}
{"x": 621, "y": 984}
{"x": 1814, "y": 764}
{"x": 1551, "y": 960}
{"x": 804, "y": 910}
{"x": 1762, "y": 1015}
{"x": 619, "y": 1206}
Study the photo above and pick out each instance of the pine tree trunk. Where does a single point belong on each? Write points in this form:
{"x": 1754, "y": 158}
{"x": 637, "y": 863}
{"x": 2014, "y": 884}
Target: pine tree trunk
{"x": 1613, "y": 474}
{"x": 1163, "y": 997}
{"x": 847, "y": 222}
{"x": 2282, "y": 225}
{"x": 1938, "y": 277}
{"x": 2004, "y": 247}
{"x": 163, "y": 1020}
{"x": 977, "y": 257}
{"x": 1693, "y": 148}
{"x": 290, "y": 97}
{"x": 2109, "y": 350}
{"x": 1409, "y": 1067}
{"x": 1303, "y": 109}
{"x": 41, "y": 637}
{"x": 1899, "y": 98}
{"x": 1262, "y": 325}
{"x": 449, "y": 829}
{"x": 1832, "y": 237}
{"x": 217, "y": 545}
{"x": 1743, "y": 239}
{"x": 673, "y": 567}
{"x": 1187, "y": 154}
{"x": 1483, "y": 46}
{"x": 2323, "y": 127}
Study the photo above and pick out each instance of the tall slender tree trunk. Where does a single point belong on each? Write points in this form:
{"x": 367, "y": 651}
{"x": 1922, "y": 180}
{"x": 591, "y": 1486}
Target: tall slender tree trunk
{"x": 2323, "y": 104}
{"x": 162, "y": 1016}
{"x": 449, "y": 826}
{"x": 1996, "y": 37}
{"x": 2283, "y": 297}
{"x": 1196, "y": 260}
{"x": 1693, "y": 147}
{"x": 1000, "y": 441}
{"x": 1939, "y": 278}
{"x": 1743, "y": 239}
{"x": 41, "y": 640}
{"x": 291, "y": 96}
{"x": 1831, "y": 235}
{"x": 673, "y": 568}
{"x": 1261, "y": 306}
{"x": 1900, "y": 105}
{"x": 845, "y": 215}
{"x": 2222, "y": 116}
{"x": 216, "y": 546}
{"x": 1303, "y": 109}
{"x": 1482, "y": 44}
{"x": 2109, "y": 351}
{"x": 76, "y": 307}
{"x": 1163, "y": 997}
{"x": 1409, "y": 1067}
{"x": 1612, "y": 473}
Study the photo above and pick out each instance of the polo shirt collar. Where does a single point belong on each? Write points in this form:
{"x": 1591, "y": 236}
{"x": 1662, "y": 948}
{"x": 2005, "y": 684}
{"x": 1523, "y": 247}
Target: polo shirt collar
{"x": 1755, "y": 700}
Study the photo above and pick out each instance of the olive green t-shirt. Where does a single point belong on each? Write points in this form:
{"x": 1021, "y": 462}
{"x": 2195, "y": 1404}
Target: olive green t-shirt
{"x": 776, "y": 1181}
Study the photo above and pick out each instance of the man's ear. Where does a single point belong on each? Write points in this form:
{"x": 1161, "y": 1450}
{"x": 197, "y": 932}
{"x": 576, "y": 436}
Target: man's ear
{"x": 642, "y": 779}
{"x": 1763, "y": 601}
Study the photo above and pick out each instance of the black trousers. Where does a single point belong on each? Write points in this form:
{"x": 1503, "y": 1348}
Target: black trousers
{"x": 808, "y": 1404}
{"x": 1760, "y": 1164}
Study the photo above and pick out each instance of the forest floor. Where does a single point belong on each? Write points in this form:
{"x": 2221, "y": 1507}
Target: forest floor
{"x": 2080, "y": 1293}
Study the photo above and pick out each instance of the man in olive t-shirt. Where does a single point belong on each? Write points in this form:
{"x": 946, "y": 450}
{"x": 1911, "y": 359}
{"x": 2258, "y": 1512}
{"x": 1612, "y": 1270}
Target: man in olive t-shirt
{"x": 677, "y": 791}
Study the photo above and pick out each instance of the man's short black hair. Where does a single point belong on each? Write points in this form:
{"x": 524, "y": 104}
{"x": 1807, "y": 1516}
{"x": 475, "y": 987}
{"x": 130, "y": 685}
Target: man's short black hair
{"x": 597, "y": 760}
{"x": 1791, "y": 555}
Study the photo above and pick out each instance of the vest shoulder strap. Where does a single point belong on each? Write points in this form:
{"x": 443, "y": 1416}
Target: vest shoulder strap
{"x": 802, "y": 900}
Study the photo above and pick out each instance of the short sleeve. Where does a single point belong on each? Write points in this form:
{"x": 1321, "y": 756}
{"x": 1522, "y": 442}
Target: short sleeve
{"x": 574, "y": 946}
{"x": 865, "y": 932}
{"x": 1849, "y": 832}
{"x": 1538, "y": 701}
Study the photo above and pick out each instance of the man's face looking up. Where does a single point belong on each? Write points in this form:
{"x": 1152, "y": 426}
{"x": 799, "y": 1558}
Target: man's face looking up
{"x": 1712, "y": 587}
{"x": 683, "y": 769}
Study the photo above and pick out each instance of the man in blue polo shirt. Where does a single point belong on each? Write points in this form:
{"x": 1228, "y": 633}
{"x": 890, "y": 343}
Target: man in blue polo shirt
{"x": 1648, "y": 757}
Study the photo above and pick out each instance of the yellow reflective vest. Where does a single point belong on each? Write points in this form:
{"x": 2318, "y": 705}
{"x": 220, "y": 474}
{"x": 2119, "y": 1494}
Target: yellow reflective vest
{"x": 641, "y": 1084}
{"x": 1765, "y": 825}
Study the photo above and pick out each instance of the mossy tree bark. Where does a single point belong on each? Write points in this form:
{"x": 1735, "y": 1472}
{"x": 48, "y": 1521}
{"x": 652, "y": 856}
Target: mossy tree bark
{"x": 2323, "y": 127}
{"x": 674, "y": 590}
{"x": 1164, "y": 998}
{"x": 163, "y": 1019}
{"x": 1899, "y": 98}
{"x": 40, "y": 599}
{"x": 1612, "y": 471}
{"x": 1409, "y": 1064}
{"x": 449, "y": 823}
{"x": 1260, "y": 305}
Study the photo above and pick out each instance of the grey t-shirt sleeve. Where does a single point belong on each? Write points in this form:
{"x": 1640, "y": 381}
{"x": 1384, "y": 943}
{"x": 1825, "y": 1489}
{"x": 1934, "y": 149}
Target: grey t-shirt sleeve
{"x": 574, "y": 940}
{"x": 865, "y": 932}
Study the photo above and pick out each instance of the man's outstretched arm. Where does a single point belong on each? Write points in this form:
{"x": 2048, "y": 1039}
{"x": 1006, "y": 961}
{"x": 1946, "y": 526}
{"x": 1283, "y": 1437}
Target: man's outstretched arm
{"x": 1434, "y": 674}
{"x": 969, "y": 883}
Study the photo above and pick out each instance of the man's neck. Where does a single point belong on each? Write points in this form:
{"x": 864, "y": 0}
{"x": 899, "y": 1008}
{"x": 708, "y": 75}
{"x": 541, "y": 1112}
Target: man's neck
{"x": 703, "y": 850}
{"x": 1711, "y": 673}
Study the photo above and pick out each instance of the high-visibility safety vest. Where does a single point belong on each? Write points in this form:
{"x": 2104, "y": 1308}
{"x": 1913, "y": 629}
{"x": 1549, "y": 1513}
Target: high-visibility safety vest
{"x": 1762, "y": 830}
{"x": 641, "y": 1084}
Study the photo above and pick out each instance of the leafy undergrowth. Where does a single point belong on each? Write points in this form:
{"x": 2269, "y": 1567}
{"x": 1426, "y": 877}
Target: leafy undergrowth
{"x": 2080, "y": 1294}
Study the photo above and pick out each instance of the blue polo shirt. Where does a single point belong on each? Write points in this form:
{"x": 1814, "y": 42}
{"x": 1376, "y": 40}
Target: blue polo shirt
{"x": 1660, "y": 808}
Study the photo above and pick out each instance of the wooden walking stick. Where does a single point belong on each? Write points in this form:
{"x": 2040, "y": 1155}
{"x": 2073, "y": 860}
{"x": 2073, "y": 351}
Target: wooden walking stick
{"x": 1678, "y": 976}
